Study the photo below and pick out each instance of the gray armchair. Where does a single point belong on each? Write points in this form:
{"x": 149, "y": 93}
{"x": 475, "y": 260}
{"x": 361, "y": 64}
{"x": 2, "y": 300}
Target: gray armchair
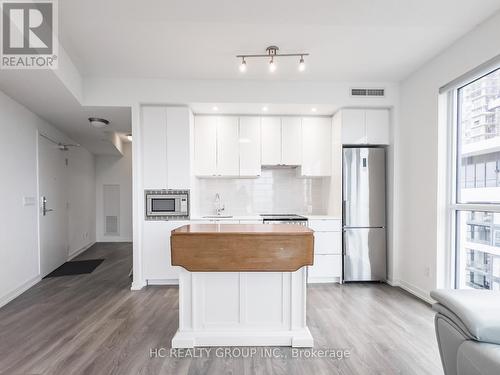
{"x": 468, "y": 331}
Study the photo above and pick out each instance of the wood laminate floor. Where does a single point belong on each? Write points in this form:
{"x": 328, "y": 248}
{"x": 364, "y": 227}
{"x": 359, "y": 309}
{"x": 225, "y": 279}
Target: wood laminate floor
{"x": 94, "y": 324}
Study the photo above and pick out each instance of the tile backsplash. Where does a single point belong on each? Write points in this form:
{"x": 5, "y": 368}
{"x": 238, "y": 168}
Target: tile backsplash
{"x": 275, "y": 191}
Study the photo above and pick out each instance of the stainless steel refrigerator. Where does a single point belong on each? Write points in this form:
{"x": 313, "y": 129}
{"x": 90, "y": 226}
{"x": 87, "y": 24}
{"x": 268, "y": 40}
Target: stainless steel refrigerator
{"x": 364, "y": 221}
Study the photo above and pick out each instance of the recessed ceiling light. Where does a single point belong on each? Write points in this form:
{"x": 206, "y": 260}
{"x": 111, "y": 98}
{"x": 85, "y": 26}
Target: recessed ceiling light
{"x": 215, "y": 108}
{"x": 264, "y": 109}
{"x": 98, "y": 123}
{"x": 313, "y": 109}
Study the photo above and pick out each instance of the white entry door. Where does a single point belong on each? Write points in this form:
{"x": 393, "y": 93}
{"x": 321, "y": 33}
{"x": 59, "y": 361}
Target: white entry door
{"x": 53, "y": 206}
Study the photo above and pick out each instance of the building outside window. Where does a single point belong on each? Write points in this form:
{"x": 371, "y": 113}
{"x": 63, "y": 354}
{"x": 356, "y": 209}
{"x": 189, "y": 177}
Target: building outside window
{"x": 477, "y": 257}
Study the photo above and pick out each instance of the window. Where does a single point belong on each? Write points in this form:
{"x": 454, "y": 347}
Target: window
{"x": 476, "y": 199}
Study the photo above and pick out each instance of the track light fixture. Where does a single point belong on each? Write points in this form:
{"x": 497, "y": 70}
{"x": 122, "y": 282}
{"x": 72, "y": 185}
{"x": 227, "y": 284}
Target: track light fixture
{"x": 243, "y": 65}
{"x": 272, "y": 53}
{"x": 302, "y": 64}
{"x": 272, "y": 65}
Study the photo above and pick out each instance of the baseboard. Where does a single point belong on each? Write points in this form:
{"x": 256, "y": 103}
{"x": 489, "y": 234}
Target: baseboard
{"x": 79, "y": 251}
{"x": 412, "y": 289}
{"x": 323, "y": 280}
{"x": 137, "y": 285}
{"x": 19, "y": 290}
{"x": 391, "y": 282}
{"x": 115, "y": 239}
{"x": 162, "y": 281}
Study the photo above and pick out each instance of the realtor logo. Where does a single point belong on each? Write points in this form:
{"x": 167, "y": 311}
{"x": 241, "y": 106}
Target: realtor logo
{"x": 29, "y": 34}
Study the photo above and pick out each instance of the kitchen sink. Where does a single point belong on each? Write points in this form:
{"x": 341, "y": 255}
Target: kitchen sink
{"x": 218, "y": 217}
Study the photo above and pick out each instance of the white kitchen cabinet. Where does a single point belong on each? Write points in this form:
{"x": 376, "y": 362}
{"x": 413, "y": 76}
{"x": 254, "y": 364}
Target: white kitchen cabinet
{"x": 250, "y": 146}
{"x": 365, "y": 126}
{"x": 327, "y": 265}
{"x": 179, "y": 128}
{"x": 377, "y": 126}
{"x": 157, "y": 266}
{"x": 205, "y": 145}
{"x": 316, "y": 146}
{"x": 227, "y": 146}
{"x": 327, "y": 242}
{"x": 326, "y": 268}
{"x": 291, "y": 140}
{"x": 154, "y": 147}
{"x": 271, "y": 140}
{"x": 353, "y": 126}
{"x": 166, "y": 149}
{"x": 325, "y": 225}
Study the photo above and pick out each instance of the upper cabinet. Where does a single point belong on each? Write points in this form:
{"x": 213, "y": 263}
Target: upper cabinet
{"x": 227, "y": 146}
{"x": 271, "y": 140}
{"x": 291, "y": 136}
{"x": 205, "y": 145}
{"x": 250, "y": 146}
{"x": 377, "y": 126}
{"x": 154, "y": 147}
{"x": 166, "y": 150}
{"x": 281, "y": 140}
{"x": 316, "y": 146}
{"x": 365, "y": 126}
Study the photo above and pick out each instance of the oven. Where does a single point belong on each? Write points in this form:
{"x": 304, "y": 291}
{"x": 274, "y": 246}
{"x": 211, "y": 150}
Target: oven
{"x": 167, "y": 204}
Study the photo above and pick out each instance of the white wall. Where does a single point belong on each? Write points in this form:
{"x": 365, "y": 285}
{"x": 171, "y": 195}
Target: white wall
{"x": 19, "y": 256}
{"x": 420, "y": 159}
{"x": 113, "y": 170}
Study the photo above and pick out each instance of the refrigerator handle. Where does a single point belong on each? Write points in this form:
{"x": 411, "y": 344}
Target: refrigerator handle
{"x": 344, "y": 214}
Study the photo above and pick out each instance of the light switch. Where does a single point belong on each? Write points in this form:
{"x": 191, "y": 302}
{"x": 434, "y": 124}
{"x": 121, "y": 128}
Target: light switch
{"x": 29, "y": 201}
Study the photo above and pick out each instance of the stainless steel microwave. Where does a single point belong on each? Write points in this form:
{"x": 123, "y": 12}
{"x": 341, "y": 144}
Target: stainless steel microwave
{"x": 167, "y": 204}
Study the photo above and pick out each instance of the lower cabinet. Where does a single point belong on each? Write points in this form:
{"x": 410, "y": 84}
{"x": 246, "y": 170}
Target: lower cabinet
{"x": 327, "y": 266}
{"x": 157, "y": 267}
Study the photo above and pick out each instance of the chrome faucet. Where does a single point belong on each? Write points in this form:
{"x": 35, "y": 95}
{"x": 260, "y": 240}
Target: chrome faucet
{"x": 219, "y": 206}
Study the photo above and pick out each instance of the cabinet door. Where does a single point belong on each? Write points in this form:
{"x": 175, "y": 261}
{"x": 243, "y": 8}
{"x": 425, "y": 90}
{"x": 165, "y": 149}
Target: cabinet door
{"x": 178, "y": 147}
{"x": 154, "y": 146}
{"x": 353, "y": 126}
{"x": 227, "y": 146}
{"x": 326, "y": 268}
{"x": 249, "y": 140}
{"x": 271, "y": 140}
{"x": 377, "y": 126}
{"x": 205, "y": 145}
{"x": 156, "y": 250}
{"x": 316, "y": 146}
{"x": 291, "y": 136}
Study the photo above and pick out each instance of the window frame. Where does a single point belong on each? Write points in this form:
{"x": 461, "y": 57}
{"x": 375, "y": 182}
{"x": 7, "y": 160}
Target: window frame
{"x": 454, "y": 208}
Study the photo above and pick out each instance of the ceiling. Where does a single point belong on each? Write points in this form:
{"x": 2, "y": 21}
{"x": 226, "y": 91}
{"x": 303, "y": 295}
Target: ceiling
{"x": 349, "y": 41}
{"x": 361, "y": 40}
{"x": 59, "y": 107}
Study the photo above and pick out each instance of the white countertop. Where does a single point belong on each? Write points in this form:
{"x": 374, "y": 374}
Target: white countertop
{"x": 258, "y": 217}
{"x": 322, "y": 217}
{"x": 236, "y": 217}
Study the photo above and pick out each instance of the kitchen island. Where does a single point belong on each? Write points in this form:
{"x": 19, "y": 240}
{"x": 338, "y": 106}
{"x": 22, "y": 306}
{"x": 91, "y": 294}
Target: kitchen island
{"x": 242, "y": 285}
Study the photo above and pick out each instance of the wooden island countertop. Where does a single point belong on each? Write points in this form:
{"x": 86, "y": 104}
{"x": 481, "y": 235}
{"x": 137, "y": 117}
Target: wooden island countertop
{"x": 242, "y": 247}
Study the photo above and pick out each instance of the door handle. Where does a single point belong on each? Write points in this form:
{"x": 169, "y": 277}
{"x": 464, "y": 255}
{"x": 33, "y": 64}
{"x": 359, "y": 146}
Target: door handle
{"x": 44, "y": 207}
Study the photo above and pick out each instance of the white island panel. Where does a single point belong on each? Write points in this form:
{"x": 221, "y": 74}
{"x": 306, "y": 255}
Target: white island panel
{"x": 242, "y": 309}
